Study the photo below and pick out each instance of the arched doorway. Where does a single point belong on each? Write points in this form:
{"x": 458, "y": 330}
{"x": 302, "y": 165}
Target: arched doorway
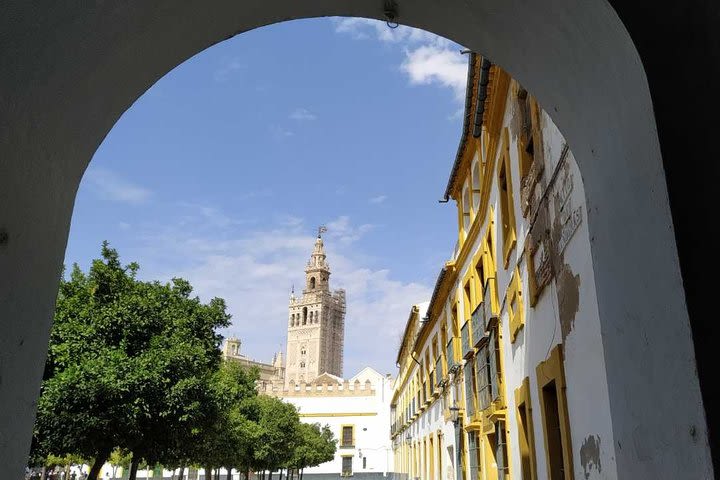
{"x": 70, "y": 71}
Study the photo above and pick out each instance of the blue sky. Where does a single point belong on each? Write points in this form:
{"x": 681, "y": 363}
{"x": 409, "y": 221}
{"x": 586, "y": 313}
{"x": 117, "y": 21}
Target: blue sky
{"x": 223, "y": 170}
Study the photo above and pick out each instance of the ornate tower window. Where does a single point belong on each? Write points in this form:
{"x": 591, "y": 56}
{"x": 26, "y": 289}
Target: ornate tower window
{"x": 312, "y": 353}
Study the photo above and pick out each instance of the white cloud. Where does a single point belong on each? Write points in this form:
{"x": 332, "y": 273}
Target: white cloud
{"x": 429, "y": 58}
{"x": 227, "y": 69}
{"x": 365, "y": 28}
{"x": 254, "y": 271}
{"x": 302, "y": 114}
{"x": 434, "y": 64}
{"x": 280, "y": 133}
{"x": 111, "y": 186}
{"x": 378, "y": 199}
{"x": 345, "y": 232}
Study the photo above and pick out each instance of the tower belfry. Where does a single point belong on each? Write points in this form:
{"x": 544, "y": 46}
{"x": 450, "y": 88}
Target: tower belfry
{"x": 316, "y": 323}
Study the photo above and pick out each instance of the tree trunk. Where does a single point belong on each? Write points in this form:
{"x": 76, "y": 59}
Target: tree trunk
{"x": 43, "y": 473}
{"x": 229, "y": 473}
{"x": 182, "y": 473}
{"x": 102, "y": 456}
{"x": 67, "y": 472}
{"x": 208, "y": 473}
{"x": 133, "y": 469}
{"x": 302, "y": 470}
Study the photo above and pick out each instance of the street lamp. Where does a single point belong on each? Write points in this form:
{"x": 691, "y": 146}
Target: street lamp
{"x": 455, "y": 417}
{"x": 454, "y": 413}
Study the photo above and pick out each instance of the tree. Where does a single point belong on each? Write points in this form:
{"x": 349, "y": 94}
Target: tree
{"x": 219, "y": 442}
{"x": 316, "y": 445}
{"x": 128, "y": 366}
{"x": 119, "y": 459}
{"x": 271, "y": 432}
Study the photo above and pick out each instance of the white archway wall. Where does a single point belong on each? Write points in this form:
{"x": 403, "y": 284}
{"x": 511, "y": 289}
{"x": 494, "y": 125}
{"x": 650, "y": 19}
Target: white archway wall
{"x": 69, "y": 71}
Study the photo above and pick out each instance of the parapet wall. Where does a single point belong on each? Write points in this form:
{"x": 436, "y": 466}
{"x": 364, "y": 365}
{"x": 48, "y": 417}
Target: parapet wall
{"x": 302, "y": 389}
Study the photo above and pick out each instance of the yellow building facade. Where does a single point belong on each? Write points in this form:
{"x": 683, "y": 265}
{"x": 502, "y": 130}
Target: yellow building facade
{"x": 497, "y": 372}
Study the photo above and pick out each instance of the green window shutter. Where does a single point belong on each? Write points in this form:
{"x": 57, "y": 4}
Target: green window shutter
{"x": 469, "y": 403}
{"x": 494, "y": 366}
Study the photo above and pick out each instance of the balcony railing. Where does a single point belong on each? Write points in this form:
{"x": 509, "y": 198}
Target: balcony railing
{"x": 467, "y": 347}
{"x": 489, "y": 315}
{"x": 450, "y": 355}
{"x": 477, "y": 326}
{"x": 439, "y": 377}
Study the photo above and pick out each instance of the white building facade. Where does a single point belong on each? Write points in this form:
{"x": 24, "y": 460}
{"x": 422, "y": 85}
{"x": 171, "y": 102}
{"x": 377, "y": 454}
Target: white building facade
{"x": 510, "y": 345}
{"x": 357, "y": 410}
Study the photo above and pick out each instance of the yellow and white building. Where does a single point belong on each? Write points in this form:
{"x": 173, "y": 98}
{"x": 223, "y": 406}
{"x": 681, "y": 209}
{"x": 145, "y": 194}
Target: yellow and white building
{"x": 502, "y": 374}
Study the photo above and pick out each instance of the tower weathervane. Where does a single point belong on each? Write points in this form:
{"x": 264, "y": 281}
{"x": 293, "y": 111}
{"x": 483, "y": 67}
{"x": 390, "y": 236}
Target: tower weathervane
{"x": 321, "y": 229}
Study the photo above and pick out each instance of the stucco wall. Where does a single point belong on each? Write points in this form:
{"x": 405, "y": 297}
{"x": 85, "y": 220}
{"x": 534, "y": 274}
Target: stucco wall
{"x": 70, "y": 70}
{"x": 370, "y": 416}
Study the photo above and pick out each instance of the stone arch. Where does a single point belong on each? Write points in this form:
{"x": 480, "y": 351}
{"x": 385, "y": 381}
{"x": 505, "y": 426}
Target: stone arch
{"x": 578, "y": 59}
{"x": 312, "y": 283}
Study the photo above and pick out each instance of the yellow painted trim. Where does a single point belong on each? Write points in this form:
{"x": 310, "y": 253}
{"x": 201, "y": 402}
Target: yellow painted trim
{"x": 509, "y": 237}
{"x": 548, "y": 371}
{"x": 342, "y": 429}
{"x": 517, "y": 314}
{"x": 522, "y": 397}
{"x": 343, "y": 414}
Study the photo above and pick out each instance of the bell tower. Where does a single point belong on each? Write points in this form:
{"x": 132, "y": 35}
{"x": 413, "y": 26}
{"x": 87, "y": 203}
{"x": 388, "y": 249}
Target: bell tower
{"x": 316, "y": 323}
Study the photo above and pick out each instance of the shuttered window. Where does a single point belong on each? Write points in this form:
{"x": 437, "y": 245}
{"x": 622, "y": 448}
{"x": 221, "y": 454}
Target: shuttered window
{"x": 347, "y": 436}
{"x": 474, "y": 451}
{"x": 469, "y": 389}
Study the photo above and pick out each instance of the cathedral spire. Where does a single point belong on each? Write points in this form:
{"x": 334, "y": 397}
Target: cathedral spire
{"x": 316, "y": 322}
{"x": 317, "y": 271}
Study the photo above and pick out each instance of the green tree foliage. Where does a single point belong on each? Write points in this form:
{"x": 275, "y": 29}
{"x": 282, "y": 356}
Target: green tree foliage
{"x": 276, "y": 433}
{"x": 134, "y": 368}
{"x": 219, "y": 443}
{"x": 316, "y": 445}
{"x": 129, "y": 364}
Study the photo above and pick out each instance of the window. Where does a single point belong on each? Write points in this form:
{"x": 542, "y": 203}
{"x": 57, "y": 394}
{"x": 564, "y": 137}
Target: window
{"x": 498, "y": 443}
{"x": 526, "y": 435}
{"x": 474, "y": 450}
{"x": 312, "y": 283}
{"x": 476, "y": 181}
{"x": 487, "y": 372}
{"x": 507, "y": 215}
{"x": 463, "y": 457}
{"x": 303, "y": 351}
{"x": 304, "y": 316}
{"x": 469, "y": 388}
{"x": 348, "y": 436}
{"x": 514, "y": 304}
{"x": 467, "y": 300}
{"x": 556, "y": 424}
{"x": 529, "y": 148}
{"x": 302, "y": 364}
{"x": 364, "y": 463}
{"x": 466, "y": 210}
{"x": 347, "y": 465}
{"x": 525, "y": 143}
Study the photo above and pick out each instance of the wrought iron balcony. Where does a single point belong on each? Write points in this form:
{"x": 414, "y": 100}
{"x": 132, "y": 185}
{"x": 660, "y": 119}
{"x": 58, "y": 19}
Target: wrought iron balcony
{"x": 450, "y": 355}
{"x": 489, "y": 315}
{"x": 439, "y": 377}
{"x": 467, "y": 347}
